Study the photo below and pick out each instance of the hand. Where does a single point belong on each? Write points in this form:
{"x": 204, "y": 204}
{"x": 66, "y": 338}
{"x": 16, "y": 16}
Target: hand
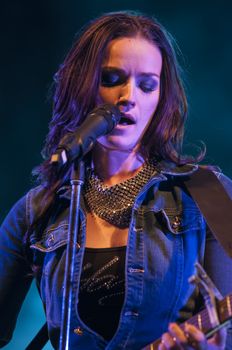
{"x": 191, "y": 338}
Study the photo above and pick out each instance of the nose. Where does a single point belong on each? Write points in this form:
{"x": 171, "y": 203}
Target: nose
{"x": 127, "y": 96}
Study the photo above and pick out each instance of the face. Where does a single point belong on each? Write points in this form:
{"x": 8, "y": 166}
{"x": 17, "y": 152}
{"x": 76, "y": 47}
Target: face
{"x": 131, "y": 80}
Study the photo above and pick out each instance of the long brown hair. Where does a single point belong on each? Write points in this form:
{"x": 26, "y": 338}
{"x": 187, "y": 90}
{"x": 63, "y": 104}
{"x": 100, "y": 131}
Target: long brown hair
{"x": 77, "y": 82}
{"x": 78, "y": 79}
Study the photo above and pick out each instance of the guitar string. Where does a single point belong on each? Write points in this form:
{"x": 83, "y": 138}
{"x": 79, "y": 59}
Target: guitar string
{"x": 204, "y": 315}
{"x": 224, "y": 312}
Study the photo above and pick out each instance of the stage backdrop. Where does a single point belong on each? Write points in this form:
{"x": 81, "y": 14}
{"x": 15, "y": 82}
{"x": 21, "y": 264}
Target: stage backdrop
{"x": 36, "y": 38}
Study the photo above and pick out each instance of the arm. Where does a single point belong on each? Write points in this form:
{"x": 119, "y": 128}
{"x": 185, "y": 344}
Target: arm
{"x": 217, "y": 263}
{"x": 219, "y": 267}
{"x": 15, "y": 274}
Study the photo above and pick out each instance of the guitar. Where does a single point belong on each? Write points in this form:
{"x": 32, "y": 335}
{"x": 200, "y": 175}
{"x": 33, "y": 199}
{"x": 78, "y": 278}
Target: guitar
{"x": 202, "y": 321}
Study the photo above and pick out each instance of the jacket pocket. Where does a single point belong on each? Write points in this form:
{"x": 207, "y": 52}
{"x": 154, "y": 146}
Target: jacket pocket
{"x": 52, "y": 239}
{"x": 179, "y": 222}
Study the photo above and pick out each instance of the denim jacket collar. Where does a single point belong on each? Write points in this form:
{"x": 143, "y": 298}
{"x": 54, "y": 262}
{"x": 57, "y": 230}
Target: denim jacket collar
{"x": 168, "y": 168}
{"x": 164, "y": 168}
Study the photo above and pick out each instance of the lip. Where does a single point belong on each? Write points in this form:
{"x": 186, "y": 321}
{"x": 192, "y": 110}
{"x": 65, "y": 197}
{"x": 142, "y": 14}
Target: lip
{"x": 130, "y": 117}
{"x": 123, "y": 127}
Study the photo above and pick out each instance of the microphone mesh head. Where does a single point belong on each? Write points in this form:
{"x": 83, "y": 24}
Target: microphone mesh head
{"x": 110, "y": 112}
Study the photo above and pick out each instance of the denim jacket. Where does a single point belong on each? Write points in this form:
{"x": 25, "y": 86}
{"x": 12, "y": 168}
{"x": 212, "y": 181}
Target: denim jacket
{"x": 167, "y": 235}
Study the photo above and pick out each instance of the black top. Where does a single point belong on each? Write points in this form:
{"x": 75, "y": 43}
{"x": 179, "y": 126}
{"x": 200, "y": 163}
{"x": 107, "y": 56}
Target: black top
{"x": 102, "y": 289}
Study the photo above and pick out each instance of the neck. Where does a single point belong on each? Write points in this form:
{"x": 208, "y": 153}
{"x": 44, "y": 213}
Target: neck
{"x": 114, "y": 166}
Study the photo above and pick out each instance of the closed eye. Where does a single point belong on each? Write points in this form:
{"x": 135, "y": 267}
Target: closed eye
{"x": 109, "y": 79}
{"x": 112, "y": 77}
{"x": 149, "y": 85}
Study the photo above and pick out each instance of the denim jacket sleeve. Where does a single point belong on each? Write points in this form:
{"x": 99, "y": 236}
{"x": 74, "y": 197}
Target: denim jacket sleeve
{"x": 15, "y": 274}
{"x": 217, "y": 263}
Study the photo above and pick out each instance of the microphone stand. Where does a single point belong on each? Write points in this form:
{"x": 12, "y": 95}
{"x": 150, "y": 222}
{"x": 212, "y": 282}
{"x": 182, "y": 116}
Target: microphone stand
{"x": 76, "y": 180}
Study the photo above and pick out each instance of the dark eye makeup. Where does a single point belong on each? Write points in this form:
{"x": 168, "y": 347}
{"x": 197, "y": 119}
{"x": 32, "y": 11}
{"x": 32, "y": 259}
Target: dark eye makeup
{"x": 148, "y": 84}
{"x": 111, "y": 77}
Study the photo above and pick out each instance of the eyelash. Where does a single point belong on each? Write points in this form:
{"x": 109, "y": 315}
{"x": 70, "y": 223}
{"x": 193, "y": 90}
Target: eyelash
{"x": 147, "y": 90}
{"x": 106, "y": 83}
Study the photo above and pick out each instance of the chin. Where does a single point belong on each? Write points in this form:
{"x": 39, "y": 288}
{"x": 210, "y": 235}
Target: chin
{"x": 117, "y": 146}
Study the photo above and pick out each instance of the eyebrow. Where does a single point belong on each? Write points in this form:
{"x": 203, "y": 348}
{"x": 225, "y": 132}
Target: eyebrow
{"x": 145, "y": 74}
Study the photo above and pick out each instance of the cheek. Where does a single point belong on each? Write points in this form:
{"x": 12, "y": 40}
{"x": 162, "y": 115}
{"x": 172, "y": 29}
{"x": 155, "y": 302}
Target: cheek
{"x": 107, "y": 95}
{"x": 150, "y": 106}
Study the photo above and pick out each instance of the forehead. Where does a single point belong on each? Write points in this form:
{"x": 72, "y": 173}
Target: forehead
{"x": 134, "y": 53}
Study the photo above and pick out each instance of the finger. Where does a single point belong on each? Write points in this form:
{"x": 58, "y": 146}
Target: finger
{"x": 168, "y": 341}
{"x": 161, "y": 346}
{"x": 178, "y": 334}
{"x": 219, "y": 338}
{"x": 195, "y": 337}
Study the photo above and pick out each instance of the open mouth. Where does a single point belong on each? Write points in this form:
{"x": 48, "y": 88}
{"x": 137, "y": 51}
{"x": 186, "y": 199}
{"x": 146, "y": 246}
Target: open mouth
{"x": 126, "y": 120}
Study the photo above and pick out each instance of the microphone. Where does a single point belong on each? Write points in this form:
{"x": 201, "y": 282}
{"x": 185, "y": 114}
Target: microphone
{"x": 75, "y": 145}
